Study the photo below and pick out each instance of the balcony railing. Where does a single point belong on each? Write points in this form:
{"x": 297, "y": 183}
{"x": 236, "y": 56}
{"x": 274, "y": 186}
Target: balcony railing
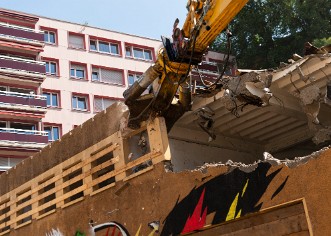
{"x": 21, "y": 33}
{"x": 31, "y": 100}
{"x": 20, "y": 64}
{"x": 21, "y": 135}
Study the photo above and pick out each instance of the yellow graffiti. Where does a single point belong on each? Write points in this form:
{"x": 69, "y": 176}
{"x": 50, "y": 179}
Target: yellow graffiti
{"x": 245, "y": 187}
{"x": 137, "y": 234}
{"x": 233, "y": 208}
{"x": 150, "y": 234}
{"x": 239, "y": 214}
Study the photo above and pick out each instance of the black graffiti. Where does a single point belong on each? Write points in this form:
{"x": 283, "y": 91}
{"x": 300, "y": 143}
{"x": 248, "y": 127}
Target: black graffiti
{"x": 219, "y": 194}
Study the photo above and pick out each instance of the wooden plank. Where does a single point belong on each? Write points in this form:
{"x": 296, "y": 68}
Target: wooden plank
{"x": 45, "y": 214}
{"x": 102, "y": 189}
{"x": 65, "y": 184}
{"x": 5, "y": 232}
{"x": 101, "y": 149}
{"x": 302, "y": 233}
{"x": 136, "y": 162}
{"x": 279, "y": 220}
{"x": 57, "y": 188}
{"x": 59, "y": 166}
{"x": 285, "y": 226}
{"x": 310, "y": 227}
{"x": 138, "y": 173}
{"x": 73, "y": 202}
{"x": 81, "y": 160}
{"x": 23, "y": 224}
{"x": 103, "y": 165}
{"x": 48, "y": 204}
{"x": 104, "y": 150}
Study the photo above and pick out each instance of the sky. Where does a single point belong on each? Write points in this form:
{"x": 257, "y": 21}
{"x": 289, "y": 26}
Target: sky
{"x": 148, "y": 18}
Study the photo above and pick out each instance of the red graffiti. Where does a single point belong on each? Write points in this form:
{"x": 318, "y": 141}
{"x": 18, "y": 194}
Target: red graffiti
{"x": 197, "y": 220}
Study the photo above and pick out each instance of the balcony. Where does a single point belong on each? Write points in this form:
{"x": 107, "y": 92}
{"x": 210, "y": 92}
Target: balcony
{"x": 17, "y": 99}
{"x": 23, "y": 138}
{"x": 20, "y": 67}
{"x": 21, "y": 34}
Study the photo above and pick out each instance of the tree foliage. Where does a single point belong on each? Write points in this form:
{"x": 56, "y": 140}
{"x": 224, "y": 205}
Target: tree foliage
{"x": 267, "y": 32}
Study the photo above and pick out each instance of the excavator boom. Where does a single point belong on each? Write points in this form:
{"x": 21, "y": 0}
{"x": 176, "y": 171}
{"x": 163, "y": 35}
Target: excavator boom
{"x": 205, "y": 20}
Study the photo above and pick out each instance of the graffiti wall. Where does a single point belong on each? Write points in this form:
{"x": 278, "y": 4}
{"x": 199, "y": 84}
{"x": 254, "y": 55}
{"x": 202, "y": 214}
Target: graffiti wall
{"x": 227, "y": 196}
{"x": 165, "y": 203}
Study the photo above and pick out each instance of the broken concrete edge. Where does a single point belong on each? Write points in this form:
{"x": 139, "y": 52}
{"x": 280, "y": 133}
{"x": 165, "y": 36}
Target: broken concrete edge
{"x": 268, "y": 158}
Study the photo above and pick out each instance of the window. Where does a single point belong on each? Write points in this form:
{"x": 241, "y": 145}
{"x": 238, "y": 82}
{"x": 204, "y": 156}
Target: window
{"x": 24, "y": 126}
{"x": 107, "y": 75}
{"x": 80, "y": 102}
{"x": 105, "y": 47}
{"x": 51, "y": 68}
{"x": 53, "y": 132}
{"x": 101, "y": 103}
{"x": 128, "y": 52}
{"x": 20, "y": 90}
{"x": 49, "y": 37}
{"x": 52, "y": 99}
{"x": 77, "y": 71}
{"x": 93, "y": 45}
{"x": 76, "y": 41}
{"x": 133, "y": 78}
{"x": 14, "y": 91}
{"x": 139, "y": 53}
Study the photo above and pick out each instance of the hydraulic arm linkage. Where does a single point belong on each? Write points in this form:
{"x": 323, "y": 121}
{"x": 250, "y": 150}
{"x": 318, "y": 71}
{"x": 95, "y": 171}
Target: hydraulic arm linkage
{"x": 205, "y": 20}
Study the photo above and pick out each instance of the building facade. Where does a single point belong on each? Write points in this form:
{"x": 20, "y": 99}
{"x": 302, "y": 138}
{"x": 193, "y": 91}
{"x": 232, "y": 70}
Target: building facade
{"x": 22, "y": 107}
{"x": 87, "y": 70}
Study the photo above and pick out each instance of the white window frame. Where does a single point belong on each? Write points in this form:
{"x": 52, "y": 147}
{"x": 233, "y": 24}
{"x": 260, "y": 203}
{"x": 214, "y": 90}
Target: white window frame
{"x": 80, "y": 96}
{"x": 52, "y": 132}
{"x": 135, "y": 77}
{"x": 75, "y": 76}
{"x": 98, "y": 70}
{"x": 48, "y": 33}
{"x": 56, "y": 67}
{"x": 53, "y": 93}
{"x": 97, "y": 41}
{"x": 132, "y": 48}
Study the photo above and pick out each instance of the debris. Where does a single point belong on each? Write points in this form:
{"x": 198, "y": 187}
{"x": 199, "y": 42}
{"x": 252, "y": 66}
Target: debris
{"x": 268, "y": 158}
{"x": 322, "y": 135}
{"x": 311, "y": 49}
{"x": 296, "y": 57}
{"x": 205, "y": 121}
{"x": 310, "y": 101}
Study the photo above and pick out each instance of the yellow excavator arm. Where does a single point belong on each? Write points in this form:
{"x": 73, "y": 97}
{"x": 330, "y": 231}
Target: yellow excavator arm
{"x": 205, "y": 20}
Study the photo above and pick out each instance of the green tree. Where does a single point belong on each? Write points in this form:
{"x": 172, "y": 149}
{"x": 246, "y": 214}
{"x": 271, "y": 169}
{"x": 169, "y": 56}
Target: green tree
{"x": 267, "y": 32}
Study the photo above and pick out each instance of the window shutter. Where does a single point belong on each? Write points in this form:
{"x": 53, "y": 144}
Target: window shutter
{"x": 98, "y": 104}
{"x": 76, "y": 41}
{"x": 111, "y": 76}
{"x": 77, "y": 67}
{"x": 107, "y": 103}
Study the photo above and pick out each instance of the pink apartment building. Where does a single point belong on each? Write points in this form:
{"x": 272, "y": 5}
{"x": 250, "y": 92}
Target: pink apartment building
{"x": 54, "y": 75}
{"x": 22, "y": 107}
{"x": 87, "y": 69}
